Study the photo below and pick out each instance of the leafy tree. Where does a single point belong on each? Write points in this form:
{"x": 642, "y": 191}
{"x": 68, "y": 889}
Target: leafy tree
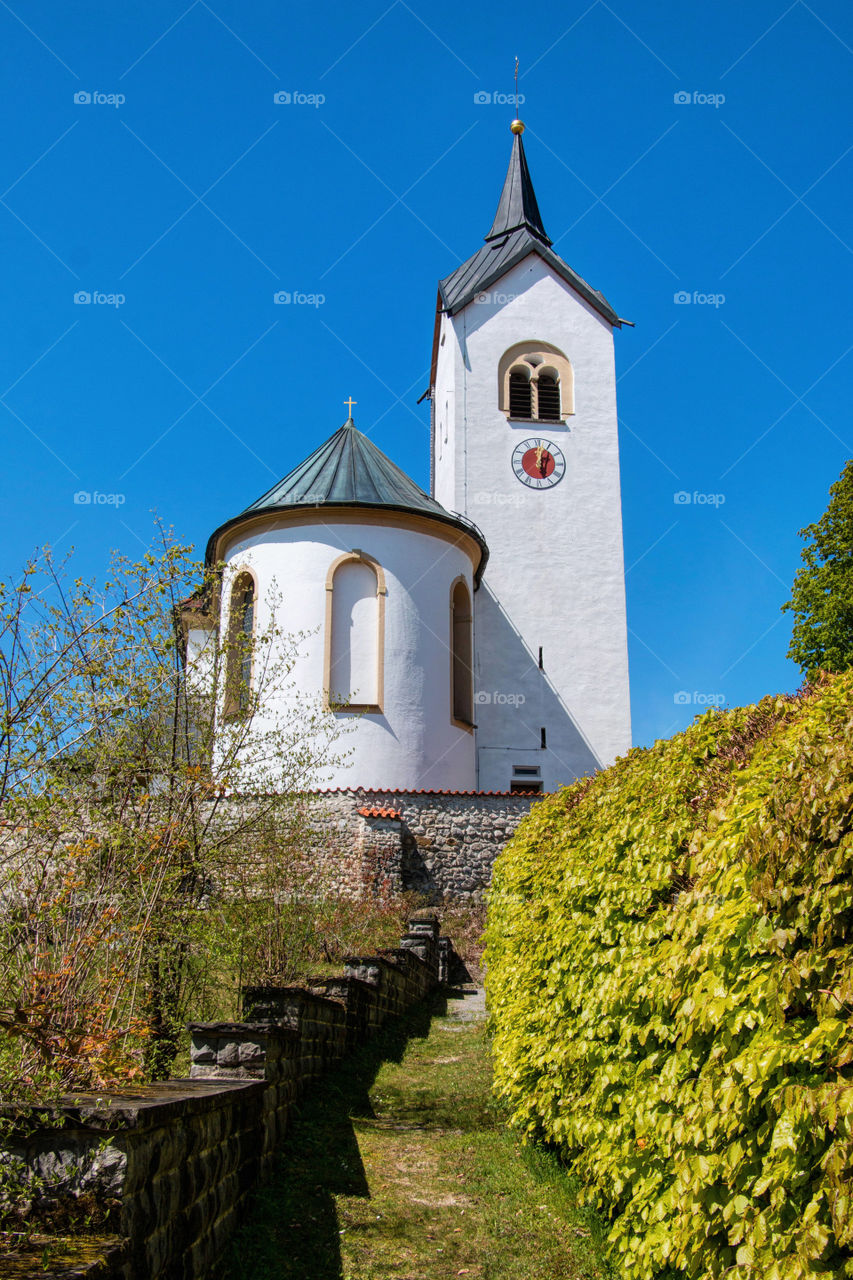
{"x": 822, "y": 594}
{"x": 120, "y": 813}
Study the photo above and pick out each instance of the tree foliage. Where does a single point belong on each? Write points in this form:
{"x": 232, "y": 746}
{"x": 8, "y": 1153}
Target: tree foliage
{"x": 670, "y": 975}
{"x": 117, "y": 825}
{"x": 822, "y": 593}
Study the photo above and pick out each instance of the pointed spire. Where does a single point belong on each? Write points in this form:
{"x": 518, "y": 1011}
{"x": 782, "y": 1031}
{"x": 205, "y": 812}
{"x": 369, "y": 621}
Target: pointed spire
{"x": 518, "y": 207}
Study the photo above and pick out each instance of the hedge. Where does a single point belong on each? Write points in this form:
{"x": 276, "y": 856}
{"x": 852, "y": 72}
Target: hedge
{"x": 670, "y": 977}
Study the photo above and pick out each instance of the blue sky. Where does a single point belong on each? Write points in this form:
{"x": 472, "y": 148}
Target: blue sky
{"x": 675, "y": 149}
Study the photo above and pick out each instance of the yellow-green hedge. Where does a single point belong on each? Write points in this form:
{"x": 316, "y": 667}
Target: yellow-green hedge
{"x": 670, "y": 977}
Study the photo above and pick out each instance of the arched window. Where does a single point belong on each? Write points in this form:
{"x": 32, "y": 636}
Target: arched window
{"x": 535, "y": 383}
{"x": 461, "y": 655}
{"x": 548, "y": 398}
{"x": 520, "y": 401}
{"x": 241, "y": 628}
{"x": 355, "y": 634}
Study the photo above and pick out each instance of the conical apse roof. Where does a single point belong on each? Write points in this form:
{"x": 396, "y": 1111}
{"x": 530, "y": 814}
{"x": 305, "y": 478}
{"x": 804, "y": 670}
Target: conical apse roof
{"x": 349, "y": 471}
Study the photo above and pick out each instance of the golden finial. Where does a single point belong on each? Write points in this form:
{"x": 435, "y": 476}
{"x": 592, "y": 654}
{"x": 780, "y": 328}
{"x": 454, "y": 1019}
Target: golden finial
{"x": 517, "y": 125}
{"x": 349, "y": 403}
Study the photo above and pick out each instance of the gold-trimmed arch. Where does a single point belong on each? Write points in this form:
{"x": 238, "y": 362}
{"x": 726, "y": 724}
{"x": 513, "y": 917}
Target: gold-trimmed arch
{"x": 534, "y": 357}
{"x": 356, "y": 556}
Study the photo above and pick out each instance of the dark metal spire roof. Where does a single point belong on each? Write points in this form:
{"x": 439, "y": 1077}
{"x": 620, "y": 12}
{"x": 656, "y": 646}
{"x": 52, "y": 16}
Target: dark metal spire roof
{"x": 517, "y": 207}
{"x": 517, "y": 231}
{"x": 349, "y": 471}
{"x": 497, "y": 257}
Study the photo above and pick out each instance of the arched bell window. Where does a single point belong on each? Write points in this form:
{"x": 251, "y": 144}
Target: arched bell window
{"x": 535, "y": 383}
{"x": 548, "y": 398}
{"x": 355, "y": 634}
{"x": 461, "y": 655}
{"x": 520, "y": 399}
{"x": 240, "y": 646}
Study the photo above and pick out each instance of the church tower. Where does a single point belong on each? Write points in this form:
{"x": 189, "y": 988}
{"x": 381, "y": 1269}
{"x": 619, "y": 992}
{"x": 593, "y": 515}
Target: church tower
{"x": 525, "y": 444}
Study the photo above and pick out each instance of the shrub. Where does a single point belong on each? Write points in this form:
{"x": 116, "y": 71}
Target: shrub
{"x": 669, "y": 957}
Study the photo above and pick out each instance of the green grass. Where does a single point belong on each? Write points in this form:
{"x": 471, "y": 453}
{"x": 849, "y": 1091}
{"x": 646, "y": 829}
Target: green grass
{"x": 399, "y": 1167}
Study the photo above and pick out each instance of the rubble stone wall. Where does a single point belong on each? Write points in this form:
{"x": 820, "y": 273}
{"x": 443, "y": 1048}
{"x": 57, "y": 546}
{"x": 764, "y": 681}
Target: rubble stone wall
{"x": 177, "y": 1160}
{"x": 442, "y": 845}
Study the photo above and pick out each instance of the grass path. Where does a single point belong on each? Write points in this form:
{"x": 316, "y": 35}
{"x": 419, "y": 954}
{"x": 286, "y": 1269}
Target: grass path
{"x": 399, "y": 1168}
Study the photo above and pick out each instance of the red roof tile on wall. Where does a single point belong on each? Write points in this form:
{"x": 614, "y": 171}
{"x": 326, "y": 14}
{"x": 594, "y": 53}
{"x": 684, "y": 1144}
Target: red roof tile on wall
{"x": 403, "y": 791}
{"x": 392, "y": 791}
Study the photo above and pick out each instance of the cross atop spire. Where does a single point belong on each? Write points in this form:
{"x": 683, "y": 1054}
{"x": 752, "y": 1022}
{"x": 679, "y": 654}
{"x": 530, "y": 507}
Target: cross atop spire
{"x": 518, "y": 207}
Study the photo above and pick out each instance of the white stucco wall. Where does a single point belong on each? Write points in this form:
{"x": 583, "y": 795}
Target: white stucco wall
{"x": 555, "y": 576}
{"x": 412, "y": 744}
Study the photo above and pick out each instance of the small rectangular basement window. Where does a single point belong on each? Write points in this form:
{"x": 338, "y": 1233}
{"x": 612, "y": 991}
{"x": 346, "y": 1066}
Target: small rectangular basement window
{"x": 526, "y": 778}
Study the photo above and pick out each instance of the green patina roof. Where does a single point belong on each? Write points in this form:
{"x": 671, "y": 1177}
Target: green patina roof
{"x": 349, "y": 471}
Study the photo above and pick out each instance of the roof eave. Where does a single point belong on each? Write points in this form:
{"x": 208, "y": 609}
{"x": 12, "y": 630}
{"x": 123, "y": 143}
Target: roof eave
{"x": 574, "y": 281}
{"x": 455, "y": 522}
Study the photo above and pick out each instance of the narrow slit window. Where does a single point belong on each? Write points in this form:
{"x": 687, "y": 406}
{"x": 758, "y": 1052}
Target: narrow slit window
{"x": 462, "y": 652}
{"x": 241, "y": 630}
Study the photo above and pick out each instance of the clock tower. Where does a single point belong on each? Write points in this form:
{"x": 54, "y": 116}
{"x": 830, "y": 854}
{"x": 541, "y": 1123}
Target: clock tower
{"x": 525, "y": 445}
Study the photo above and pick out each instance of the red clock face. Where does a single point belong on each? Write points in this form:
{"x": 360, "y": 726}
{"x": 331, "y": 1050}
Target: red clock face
{"x": 538, "y": 463}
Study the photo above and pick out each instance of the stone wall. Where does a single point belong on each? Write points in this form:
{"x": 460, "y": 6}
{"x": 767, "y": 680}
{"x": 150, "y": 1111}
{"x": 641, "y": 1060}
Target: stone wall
{"x": 439, "y": 844}
{"x": 173, "y": 1163}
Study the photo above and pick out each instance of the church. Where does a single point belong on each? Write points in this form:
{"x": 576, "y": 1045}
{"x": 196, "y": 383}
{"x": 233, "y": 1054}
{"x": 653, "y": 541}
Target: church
{"x": 475, "y": 635}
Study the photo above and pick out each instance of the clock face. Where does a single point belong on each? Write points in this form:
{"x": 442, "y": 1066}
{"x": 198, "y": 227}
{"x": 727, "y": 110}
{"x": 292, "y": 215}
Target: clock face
{"x": 538, "y": 463}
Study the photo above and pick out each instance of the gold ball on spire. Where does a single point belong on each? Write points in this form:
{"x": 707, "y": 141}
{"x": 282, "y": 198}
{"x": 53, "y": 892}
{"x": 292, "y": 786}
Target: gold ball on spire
{"x": 517, "y": 126}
